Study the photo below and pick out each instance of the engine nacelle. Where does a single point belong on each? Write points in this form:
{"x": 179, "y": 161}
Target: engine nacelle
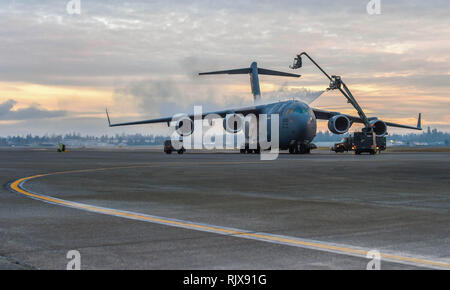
{"x": 379, "y": 127}
{"x": 184, "y": 126}
{"x": 339, "y": 124}
{"x": 233, "y": 123}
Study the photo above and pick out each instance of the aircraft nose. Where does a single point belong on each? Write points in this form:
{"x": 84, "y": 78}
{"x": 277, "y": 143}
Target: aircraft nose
{"x": 306, "y": 123}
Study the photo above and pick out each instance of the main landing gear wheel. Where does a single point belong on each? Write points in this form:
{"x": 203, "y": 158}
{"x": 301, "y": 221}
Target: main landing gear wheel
{"x": 252, "y": 151}
{"x": 299, "y": 149}
{"x": 293, "y": 149}
{"x": 247, "y": 150}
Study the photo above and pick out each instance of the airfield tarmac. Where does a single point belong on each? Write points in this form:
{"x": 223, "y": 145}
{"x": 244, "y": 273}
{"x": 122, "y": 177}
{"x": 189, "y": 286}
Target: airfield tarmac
{"x": 224, "y": 210}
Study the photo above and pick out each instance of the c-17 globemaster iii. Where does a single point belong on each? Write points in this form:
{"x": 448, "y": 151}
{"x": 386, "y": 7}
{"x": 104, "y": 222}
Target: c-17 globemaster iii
{"x": 297, "y": 120}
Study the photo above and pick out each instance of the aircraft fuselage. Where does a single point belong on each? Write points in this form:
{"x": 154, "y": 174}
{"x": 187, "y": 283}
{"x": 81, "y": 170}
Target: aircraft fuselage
{"x": 297, "y": 122}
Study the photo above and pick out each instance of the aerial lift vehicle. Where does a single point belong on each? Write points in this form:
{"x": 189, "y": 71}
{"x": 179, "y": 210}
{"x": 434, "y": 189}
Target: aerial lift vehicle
{"x": 372, "y": 138}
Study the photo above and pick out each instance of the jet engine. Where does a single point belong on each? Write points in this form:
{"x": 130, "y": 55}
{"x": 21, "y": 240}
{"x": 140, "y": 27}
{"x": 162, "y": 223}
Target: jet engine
{"x": 339, "y": 124}
{"x": 233, "y": 123}
{"x": 184, "y": 126}
{"x": 379, "y": 127}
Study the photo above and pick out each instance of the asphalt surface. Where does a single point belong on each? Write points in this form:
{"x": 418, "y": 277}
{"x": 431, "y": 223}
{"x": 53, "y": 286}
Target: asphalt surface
{"x": 396, "y": 203}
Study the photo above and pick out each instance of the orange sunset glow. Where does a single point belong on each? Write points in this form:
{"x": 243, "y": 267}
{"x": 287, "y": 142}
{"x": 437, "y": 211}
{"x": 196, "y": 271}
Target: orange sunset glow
{"x": 141, "y": 61}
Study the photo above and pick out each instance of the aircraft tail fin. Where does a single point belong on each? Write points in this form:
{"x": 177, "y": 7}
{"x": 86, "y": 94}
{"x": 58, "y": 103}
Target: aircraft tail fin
{"x": 253, "y": 71}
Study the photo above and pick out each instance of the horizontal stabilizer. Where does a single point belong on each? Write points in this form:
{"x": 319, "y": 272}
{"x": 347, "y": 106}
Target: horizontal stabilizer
{"x": 253, "y": 71}
{"x": 239, "y": 71}
{"x": 242, "y": 71}
{"x": 263, "y": 71}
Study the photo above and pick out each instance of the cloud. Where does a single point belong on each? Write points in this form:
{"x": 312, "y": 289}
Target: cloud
{"x": 6, "y": 107}
{"x": 150, "y": 51}
{"x": 303, "y": 94}
{"x": 152, "y": 97}
{"x": 114, "y": 39}
{"x": 85, "y": 125}
{"x": 169, "y": 97}
{"x": 32, "y": 112}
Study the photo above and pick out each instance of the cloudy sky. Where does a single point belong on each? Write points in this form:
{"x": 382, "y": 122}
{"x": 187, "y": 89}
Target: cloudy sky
{"x": 58, "y": 71}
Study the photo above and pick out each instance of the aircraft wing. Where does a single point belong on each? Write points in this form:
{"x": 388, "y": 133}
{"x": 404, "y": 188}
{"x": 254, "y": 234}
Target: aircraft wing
{"x": 222, "y": 113}
{"x": 326, "y": 115}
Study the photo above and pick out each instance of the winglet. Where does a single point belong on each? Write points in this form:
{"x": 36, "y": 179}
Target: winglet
{"x": 419, "y": 122}
{"x": 107, "y": 116}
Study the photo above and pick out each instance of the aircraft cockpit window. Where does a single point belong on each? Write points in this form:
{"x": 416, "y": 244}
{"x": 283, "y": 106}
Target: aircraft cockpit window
{"x": 300, "y": 109}
{"x": 289, "y": 111}
{"x": 276, "y": 107}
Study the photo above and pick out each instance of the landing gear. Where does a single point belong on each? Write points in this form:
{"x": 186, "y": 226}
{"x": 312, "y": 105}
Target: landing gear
{"x": 299, "y": 148}
{"x": 247, "y": 150}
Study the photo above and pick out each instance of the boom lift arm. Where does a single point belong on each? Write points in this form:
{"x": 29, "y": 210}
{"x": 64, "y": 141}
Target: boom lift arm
{"x": 336, "y": 83}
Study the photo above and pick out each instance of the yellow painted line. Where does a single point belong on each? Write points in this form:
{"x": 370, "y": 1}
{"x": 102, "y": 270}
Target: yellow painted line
{"x": 317, "y": 245}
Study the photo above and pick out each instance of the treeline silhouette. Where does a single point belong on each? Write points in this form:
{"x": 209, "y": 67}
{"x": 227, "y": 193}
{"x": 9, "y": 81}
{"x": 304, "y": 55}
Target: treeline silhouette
{"x": 428, "y": 136}
{"x": 77, "y": 138}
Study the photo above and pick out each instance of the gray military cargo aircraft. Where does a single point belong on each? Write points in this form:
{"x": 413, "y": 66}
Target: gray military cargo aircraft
{"x": 297, "y": 120}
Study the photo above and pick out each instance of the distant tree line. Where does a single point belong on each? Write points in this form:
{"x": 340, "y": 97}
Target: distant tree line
{"x": 77, "y": 138}
{"x": 429, "y": 136}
